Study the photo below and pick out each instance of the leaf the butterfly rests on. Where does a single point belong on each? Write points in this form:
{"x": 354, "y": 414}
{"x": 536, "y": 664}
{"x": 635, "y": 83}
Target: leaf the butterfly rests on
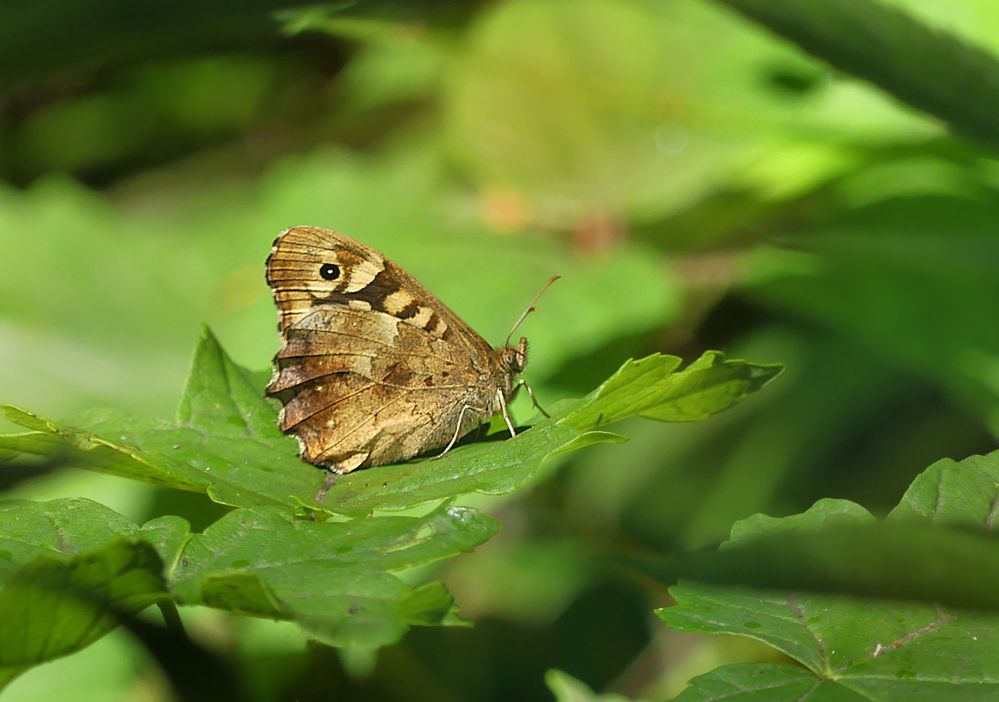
{"x": 373, "y": 368}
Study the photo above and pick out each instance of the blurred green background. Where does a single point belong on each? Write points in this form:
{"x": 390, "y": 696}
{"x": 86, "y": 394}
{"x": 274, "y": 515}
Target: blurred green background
{"x": 698, "y": 182}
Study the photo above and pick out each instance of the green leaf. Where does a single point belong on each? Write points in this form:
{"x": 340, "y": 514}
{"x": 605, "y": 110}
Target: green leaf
{"x": 68, "y": 566}
{"x": 52, "y": 608}
{"x": 876, "y": 649}
{"x": 224, "y": 396}
{"x": 651, "y": 387}
{"x": 226, "y": 442}
{"x": 334, "y": 579}
{"x": 567, "y": 689}
{"x": 923, "y": 66}
{"x": 954, "y": 492}
{"x": 68, "y": 569}
{"x": 56, "y": 529}
{"x": 764, "y": 682}
{"x": 838, "y": 547}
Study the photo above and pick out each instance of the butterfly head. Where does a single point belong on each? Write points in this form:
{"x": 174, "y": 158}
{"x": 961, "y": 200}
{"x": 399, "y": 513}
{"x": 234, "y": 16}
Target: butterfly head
{"x": 514, "y": 358}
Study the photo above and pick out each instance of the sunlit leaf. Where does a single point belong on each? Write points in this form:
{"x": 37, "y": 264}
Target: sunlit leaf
{"x": 226, "y": 441}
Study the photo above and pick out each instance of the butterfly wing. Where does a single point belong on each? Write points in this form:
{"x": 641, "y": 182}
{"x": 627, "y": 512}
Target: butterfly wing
{"x": 373, "y": 368}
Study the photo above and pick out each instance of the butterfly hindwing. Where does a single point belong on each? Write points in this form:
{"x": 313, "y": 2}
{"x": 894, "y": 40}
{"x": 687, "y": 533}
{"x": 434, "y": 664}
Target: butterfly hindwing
{"x": 373, "y": 368}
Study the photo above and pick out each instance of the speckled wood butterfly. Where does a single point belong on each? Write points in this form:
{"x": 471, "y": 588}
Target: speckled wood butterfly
{"x": 374, "y": 369}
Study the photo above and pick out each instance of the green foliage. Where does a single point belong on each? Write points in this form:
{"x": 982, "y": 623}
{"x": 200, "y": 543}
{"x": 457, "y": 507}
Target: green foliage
{"x": 226, "y": 442}
{"x": 333, "y": 578}
{"x": 653, "y": 387}
{"x": 929, "y": 69}
{"x": 860, "y": 649}
{"x": 68, "y": 570}
{"x": 67, "y": 325}
{"x": 699, "y": 184}
{"x": 762, "y": 682}
{"x": 933, "y": 254}
{"x": 72, "y": 567}
{"x": 566, "y": 688}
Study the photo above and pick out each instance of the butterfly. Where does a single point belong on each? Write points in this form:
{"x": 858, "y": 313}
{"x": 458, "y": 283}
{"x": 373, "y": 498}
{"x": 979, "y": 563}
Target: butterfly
{"x": 373, "y": 368}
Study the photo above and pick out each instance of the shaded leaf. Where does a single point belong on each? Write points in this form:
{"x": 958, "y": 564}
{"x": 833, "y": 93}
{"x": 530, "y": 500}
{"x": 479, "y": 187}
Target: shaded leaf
{"x": 934, "y": 254}
{"x": 332, "y": 578}
{"x": 876, "y": 649}
{"x": 70, "y": 566}
{"x": 849, "y": 553}
{"x": 68, "y": 570}
{"x": 928, "y": 68}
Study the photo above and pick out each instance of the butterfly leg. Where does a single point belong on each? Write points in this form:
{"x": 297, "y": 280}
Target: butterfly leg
{"x": 457, "y": 430}
{"x": 530, "y": 392}
{"x": 342, "y": 466}
{"x": 328, "y": 482}
{"x": 506, "y": 413}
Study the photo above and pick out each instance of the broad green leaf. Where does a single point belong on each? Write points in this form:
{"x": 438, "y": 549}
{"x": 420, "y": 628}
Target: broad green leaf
{"x": 880, "y": 650}
{"x": 838, "y": 547}
{"x": 334, "y": 579}
{"x": 226, "y": 442}
{"x": 923, "y": 66}
{"x": 67, "y": 568}
{"x": 764, "y": 682}
{"x": 954, "y": 492}
{"x": 56, "y": 529}
{"x": 51, "y": 608}
{"x": 235, "y": 448}
{"x": 652, "y": 387}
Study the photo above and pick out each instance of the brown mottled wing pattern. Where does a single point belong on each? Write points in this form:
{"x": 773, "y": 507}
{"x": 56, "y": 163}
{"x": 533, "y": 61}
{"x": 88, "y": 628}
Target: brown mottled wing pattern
{"x": 373, "y": 369}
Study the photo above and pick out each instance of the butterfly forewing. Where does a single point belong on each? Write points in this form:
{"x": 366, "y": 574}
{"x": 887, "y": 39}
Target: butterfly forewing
{"x": 373, "y": 368}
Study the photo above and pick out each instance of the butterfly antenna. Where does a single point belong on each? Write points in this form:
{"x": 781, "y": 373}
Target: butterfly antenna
{"x": 530, "y": 307}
